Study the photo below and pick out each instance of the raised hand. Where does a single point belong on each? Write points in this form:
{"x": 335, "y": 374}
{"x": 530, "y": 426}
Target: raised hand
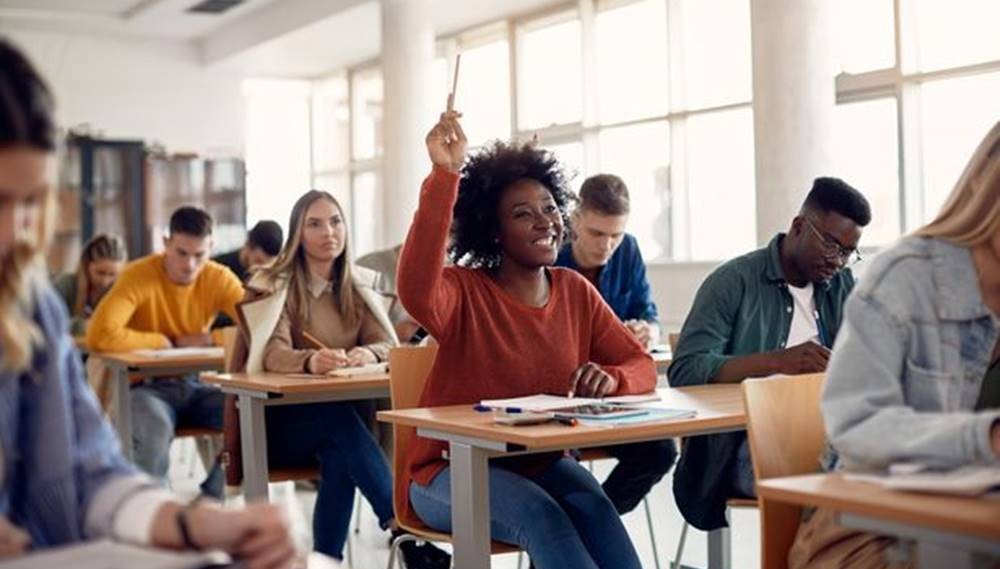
{"x": 446, "y": 142}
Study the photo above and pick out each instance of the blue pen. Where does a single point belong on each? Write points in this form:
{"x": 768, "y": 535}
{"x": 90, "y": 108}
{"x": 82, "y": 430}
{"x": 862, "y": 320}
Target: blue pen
{"x": 820, "y": 330}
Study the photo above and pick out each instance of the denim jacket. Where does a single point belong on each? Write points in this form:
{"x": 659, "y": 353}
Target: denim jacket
{"x": 65, "y": 478}
{"x": 909, "y": 363}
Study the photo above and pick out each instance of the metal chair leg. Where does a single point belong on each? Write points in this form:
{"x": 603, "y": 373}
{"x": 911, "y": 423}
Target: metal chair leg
{"x": 680, "y": 547}
{"x": 652, "y": 532}
{"x": 394, "y": 550}
{"x": 357, "y": 512}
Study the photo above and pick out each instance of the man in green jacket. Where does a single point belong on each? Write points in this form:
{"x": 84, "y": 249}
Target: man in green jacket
{"x": 773, "y": 311}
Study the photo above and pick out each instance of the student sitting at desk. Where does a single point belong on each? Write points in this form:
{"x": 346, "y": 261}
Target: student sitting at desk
{"x": 63, "y": 478}
{"x": 915, "y": 376}
{"x": 160, "y": 301}
{"x": 773, "y": 311}
{"x": 101, "y": 262}
{"x": 509, "y": 325}
{"x": 610, "y": 259}
{"x": 312, "y": 311}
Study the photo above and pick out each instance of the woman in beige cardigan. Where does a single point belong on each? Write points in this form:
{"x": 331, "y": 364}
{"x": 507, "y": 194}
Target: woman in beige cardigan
{"x": 312, "y": 311}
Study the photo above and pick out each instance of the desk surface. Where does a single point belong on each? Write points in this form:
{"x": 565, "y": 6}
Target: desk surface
{"x": 969, "y": 516}
{"x": 288, "y": 383}
{"x": 719, "y": 408}
{"x": 133, "y": 360}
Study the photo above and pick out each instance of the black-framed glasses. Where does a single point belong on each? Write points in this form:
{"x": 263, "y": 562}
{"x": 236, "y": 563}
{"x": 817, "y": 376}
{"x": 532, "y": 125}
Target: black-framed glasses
{"x": 832, "y": 249}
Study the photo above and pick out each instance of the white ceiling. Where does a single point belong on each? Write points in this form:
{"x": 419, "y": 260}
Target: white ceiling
{"x": 278, "y": 38}
{"x": 161, "y": 19}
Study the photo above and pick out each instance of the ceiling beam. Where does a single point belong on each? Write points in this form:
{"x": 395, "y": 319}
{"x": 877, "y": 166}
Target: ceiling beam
{"x": 268, "y": 23}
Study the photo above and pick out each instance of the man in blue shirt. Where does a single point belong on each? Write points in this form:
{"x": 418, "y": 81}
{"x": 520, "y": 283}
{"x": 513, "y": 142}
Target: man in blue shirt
{"x": 610, "y": 259}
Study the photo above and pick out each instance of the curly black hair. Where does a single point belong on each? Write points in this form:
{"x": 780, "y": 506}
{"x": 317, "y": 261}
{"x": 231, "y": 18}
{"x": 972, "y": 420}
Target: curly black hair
{"x": 485, "y": 176}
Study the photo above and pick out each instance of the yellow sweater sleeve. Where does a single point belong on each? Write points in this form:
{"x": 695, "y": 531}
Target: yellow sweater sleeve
{"x": 109, "y": 329}
{"x": 230, "y": 293}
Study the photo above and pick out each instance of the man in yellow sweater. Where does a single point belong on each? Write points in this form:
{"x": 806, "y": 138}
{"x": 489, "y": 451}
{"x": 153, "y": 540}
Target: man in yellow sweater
{"x": 169, "y": 300}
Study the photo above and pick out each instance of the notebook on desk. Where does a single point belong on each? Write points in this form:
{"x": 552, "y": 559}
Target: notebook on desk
{"x": 379, "y": 368}
{"x": 166, "y": 353}
{"x": 546, "y": 402}
{"x": 965, "y": 481}
{"x": 107, "y": 554}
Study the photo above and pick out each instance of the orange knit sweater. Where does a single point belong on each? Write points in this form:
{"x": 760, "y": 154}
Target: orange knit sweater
{"x": 492, "y": 345}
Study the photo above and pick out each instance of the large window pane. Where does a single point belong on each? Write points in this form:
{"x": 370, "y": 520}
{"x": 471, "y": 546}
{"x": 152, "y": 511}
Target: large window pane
{"x": 640, "y": 156}
{"x": 716, "y": 35}
{"x": 367, "y": 113}
{"x": 570, "y": 155}
{"x": 363, "y": 214}
{"x": 550, "y": 76}
{"x": 339, "y": 185}
{"x": 632, "y": 61}
{"x": 864, "y": 35}
{"x": 721, "y": 196}
{"x": 957, "y": 32}
{"x": 957, "y": 113}
{"x": 867, "y": 157}
{"x": 331, "y": 124}
{"x": 484, "y": 92}
{"x": 277, "y": 147}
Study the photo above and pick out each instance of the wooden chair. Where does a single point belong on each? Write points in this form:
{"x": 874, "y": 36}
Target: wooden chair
{"x": 787, "y": 438}
{"x": 408, "y": 368}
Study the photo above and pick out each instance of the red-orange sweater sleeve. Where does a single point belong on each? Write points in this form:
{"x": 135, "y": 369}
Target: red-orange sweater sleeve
{"x": 617, "y": 351}
{"x": 426, "y": 290}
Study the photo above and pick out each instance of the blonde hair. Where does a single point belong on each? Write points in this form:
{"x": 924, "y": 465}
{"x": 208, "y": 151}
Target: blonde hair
{"x": 971, "y": 214}
{"x": 22, "y": 273}
{"x": 101, "y": 246}
{"x": 290, "y": 265}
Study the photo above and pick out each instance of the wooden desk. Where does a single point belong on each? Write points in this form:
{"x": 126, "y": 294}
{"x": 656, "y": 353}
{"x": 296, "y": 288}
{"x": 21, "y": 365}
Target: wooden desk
{"x": 474, "y": 438}
{"x": 952, "y": 532}
{"x": 125, "y": 364}
{"x": 256, "y": 391}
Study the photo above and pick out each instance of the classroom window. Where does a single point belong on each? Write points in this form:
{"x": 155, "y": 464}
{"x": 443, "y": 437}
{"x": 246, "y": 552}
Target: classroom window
{"x": 956, "y": 32}
{"x": 571, "y": 157}
{"x": 867, "y": 157}
{"x": 331, "y": 124}
{"x": 864, "y": 35}
{"x": 364, "y": 195}
{"x": 956, "y": 115}
{"x": 550, "y": 73}
{"x": 366, "y": 111}
{"x": 721, "y": 197}
{"x": 716, "y": 52}
{"x": 631, "y": 37}
{"x": 484, "y": 91}
{"x": 640, "y": 156}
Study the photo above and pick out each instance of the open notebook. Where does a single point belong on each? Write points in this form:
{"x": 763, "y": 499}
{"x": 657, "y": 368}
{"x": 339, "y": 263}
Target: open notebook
{"x": 546, "y": 402}
{"x": 106, "y": 554}
{"x": 356, "y": 371}
{"x": 965, "y": 481}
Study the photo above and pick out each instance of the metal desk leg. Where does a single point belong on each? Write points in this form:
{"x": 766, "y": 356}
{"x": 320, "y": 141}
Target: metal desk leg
{"x": 470, "y": 506}
{"x": 123, "y": 409}
{"x": 253, "y": 442}
{"x": 720, "y": 549}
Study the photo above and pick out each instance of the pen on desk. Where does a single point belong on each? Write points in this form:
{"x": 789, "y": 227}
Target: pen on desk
{"x": 568, "y": 421}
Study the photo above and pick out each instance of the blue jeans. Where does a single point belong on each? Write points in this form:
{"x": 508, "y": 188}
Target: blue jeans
{"x": 560, "y": 517}
{"x": 349, "y": 458}
{"x": 159, "y": 406}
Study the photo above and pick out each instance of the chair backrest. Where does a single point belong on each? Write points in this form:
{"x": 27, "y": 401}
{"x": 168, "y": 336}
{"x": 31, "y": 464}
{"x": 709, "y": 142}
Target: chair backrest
{"x": 787, "y": 437}
{"x": 408, "y": 369}
{"x": 672, "y": 341}
{"x": 229, "y": 334}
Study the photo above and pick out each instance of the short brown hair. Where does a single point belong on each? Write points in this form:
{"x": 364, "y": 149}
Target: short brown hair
{"x": 605, "y": 194}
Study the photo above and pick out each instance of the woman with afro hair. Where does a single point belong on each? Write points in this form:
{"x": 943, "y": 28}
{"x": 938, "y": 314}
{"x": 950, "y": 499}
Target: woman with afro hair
{"x": 509, "y": 324}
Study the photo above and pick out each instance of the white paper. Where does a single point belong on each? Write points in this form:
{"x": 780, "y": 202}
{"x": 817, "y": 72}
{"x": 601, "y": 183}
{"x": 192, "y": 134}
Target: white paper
{"x": 107, "y": 554}
{"x": 546, "y": 402}
{"x": 205, "y": 352}
{"x": 367, "y": 369}
{"x": 965, "y": 481}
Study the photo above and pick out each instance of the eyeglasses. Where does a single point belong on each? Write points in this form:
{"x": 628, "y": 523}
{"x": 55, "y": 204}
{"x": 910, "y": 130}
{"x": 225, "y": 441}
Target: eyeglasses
{"x": 832, "y": 249}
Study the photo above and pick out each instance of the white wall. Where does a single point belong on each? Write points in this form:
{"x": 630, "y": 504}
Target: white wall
{"x": 157, "y": 91}
{"x": 674, "y": 286}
